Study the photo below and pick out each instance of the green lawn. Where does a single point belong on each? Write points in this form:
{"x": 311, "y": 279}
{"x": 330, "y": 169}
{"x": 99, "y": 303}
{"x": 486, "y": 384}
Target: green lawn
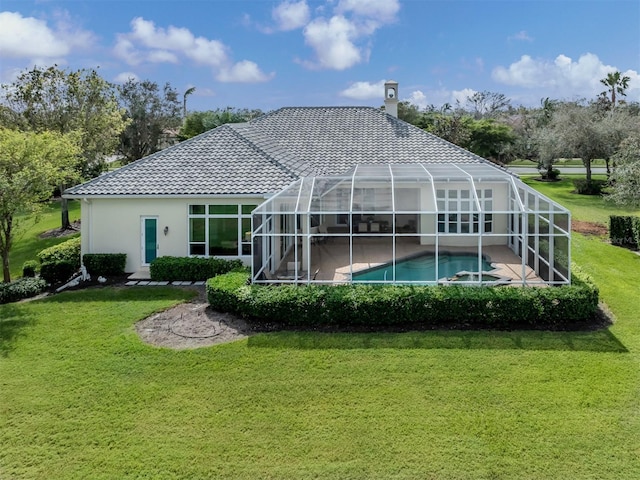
{"x": 563, "y": 162}
{"x": 589, "y": 208}
{"x": 29, "y": 243}
{"x": 82, "y": 397}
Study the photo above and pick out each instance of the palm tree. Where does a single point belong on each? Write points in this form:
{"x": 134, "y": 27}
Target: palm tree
{"x": 184, "y": 101}
{"x": 616, "y": 84}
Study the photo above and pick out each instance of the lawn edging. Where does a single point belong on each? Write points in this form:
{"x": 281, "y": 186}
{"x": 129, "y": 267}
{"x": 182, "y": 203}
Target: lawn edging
{"x": 395, "y": 305}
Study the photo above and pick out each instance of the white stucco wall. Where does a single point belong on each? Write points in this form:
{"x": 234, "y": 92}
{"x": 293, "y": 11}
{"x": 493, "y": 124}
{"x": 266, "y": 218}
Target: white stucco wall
{"x": 115, "y": 225}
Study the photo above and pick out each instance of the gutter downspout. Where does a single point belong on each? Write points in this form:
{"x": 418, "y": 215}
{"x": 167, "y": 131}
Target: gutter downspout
{"x": 89, "y": 229}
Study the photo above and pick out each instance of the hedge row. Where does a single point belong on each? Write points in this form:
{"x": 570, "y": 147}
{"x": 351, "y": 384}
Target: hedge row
{"x": 68, "y": 251}
{"x": 21, "y": 288}
{"x": 104, "y": 264}
{"x": 57, "y": 272}
{"x": 190, "y": 268}
{"x": 624, "y": 230}
{"x": 388, "y": 305}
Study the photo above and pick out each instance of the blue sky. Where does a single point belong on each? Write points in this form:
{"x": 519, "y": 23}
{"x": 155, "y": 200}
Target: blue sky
{"x": 269, "y": 54}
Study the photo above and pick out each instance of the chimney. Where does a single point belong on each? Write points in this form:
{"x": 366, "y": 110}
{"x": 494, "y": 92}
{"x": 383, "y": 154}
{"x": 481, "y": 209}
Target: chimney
{"x": 391, "y": 98}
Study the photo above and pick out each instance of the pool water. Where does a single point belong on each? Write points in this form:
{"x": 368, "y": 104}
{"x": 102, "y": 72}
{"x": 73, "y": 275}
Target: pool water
{"x": 423, "y": 268}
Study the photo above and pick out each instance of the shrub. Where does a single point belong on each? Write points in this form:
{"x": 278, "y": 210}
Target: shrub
{"x": 388, "y": 305}
{"x": 191, "y": 268}
{"x": 586, "y": 187}
{"x": 224, "y": 291}
{"x": 553, "y": 174}
{"x": 635, "y": 229}
{"x": 57, "y": 272}
{"x": 29, "y": 268}
{"x": 22, "y": 288}
{"x": 68, "y": 251}
{"x": 105, "y": 263}
{"x": 624, "y": 230}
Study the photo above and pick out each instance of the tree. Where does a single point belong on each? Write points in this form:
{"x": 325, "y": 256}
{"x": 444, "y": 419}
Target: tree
{"x": 68, "y": 101}
{"x": 490, "y": 139}
{"x": 152, "y": 112}
{"x": 200, "y": 122}
{"x": 626, "y": 176}
{"x": 409, "y": 112}
{"x": 31, "y": 164}
{"x": 486, "y": 104}
{"x": 582, "y": 131}
{"x": 184, "y": 100}
{"x": 616, "y": 84}
{"x": 454, "y": 127}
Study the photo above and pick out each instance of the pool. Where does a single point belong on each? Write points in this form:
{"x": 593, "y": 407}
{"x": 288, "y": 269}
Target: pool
{"x": 422, "y": 268}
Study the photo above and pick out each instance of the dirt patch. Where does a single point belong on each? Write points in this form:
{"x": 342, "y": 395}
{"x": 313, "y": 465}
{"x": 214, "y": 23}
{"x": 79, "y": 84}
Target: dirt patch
{"x": 191, "y": 325}
{"x": 62, "y": 232}
{"x": 589, "y": 228}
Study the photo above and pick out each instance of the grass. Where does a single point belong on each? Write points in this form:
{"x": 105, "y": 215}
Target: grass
{"x": 562, "y": 162}
{"x": 591, "y": 208}
{"x": 81, "y": 396}
{"x": 29, "y": 243}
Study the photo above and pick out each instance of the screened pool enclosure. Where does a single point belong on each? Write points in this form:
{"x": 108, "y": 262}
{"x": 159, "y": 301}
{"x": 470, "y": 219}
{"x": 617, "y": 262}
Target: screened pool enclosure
{"x": 412, "y": 223}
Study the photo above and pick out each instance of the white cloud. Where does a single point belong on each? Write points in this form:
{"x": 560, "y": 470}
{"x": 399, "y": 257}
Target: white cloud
{"x": 343, "y": 40}
{"x": 462, "y": 95}
{"x": 364, "y": 90}
{"x": 208, "y": 52}
{"x": 418, "y": 99}
{"x": 125, "y": 50}
{"x": 162, "y": 56}
{"x": 291, "y": 15}
{"x": 31, "y": 38}
{"x": 383, "y": 11}
{"x": 125, "y": 77}
{"x": 562, "y": 77}
{"x": 521, "y": 36}
{"x": 148, "y": 43}
{"x": 333, "y": 43}
{"x": 243, "y": 72}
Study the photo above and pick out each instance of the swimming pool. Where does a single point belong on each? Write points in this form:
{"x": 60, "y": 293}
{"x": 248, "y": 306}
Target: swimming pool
{"x": 422, "y": 268}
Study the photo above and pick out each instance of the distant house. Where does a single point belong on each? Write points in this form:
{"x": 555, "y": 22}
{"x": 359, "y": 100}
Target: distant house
{"x": 329, "y": 194}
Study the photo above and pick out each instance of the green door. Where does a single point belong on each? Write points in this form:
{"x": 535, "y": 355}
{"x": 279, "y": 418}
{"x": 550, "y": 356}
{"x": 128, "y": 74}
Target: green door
{"x": 149, "y": 239}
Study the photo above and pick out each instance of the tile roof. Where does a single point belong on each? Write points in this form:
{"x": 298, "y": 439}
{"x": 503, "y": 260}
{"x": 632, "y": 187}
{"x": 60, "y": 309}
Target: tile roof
{"x": 268, "y": 153}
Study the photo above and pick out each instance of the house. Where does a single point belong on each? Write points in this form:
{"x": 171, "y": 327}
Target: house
{"x": 335, "y": 194}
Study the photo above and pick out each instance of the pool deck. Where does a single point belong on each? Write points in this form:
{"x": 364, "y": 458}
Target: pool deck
{"x": 332, "y": 260}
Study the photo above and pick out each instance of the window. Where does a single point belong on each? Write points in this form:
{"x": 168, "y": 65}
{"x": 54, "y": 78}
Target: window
{"x": 457, "y": 212}
{"x": 220, "y": 230}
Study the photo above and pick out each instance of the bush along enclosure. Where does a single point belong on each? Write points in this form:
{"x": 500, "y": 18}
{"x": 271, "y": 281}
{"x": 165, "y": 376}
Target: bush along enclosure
{"x": 345, "y": 306}
{"x": 191, "y": 269}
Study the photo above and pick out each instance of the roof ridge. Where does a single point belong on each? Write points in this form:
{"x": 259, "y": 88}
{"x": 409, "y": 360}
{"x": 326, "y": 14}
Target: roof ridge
{"x": 262, "y": 152}
{"x": 326, "y": 107}
{"x": 138, "y": 162}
